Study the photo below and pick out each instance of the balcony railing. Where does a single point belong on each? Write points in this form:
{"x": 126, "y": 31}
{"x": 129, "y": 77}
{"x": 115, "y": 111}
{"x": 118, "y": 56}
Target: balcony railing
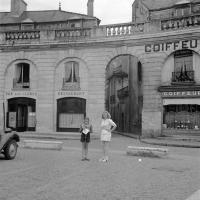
{"x": 112, "y": 99}
{"x": 118, "y": 72}
{"x": 71, "y": 86}
{"x": 73, "y": 34}
{"x": 22, "y": 35}
{"x": 124, "y": 29}
{"x": 20, "y": 85}
{"x": 122, "y": 93}
{"x": 183, "y": 77}
{"x": 178, "y": 23}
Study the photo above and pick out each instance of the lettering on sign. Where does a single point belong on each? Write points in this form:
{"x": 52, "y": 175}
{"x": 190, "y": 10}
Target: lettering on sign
{"x": 181, "y": 94}
{"x": 167, "y": 46}
{"x": 11, "y": 94}
{"x": 71, "y": 94}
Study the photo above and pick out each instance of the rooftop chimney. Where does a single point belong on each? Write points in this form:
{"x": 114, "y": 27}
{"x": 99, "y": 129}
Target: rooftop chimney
{"x": 90, "y": 8}
{"x": 18, "y": 7}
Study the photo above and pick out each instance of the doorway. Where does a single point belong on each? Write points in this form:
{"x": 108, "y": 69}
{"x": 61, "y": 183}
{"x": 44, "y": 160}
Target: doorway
{"x": 21, "y": 115}
{"x": 70, "y": 114}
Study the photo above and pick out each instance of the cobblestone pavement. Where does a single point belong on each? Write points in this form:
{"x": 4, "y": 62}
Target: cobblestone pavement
{"x": 61, "y": 175}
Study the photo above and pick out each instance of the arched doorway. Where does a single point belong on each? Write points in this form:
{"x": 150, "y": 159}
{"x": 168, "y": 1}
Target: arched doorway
{"x": 70, "y": 113}
{"x": 21, "y": 115}
{"x": 124, "y": 97}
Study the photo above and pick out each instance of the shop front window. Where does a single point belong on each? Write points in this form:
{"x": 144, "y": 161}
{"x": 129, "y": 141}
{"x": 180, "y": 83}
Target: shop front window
{"x": 183, "y": 67}
{"x": 182, "y": 116}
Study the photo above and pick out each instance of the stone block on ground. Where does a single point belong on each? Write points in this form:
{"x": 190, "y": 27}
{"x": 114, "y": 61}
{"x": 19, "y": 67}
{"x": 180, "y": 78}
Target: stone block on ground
{"x": 43, "y": 144}
{"x": 146, "y": 151}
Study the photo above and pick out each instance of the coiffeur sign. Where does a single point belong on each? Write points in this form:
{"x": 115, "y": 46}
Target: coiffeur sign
{"x": 181, "y": 94}
{"x": 167, "y": 46}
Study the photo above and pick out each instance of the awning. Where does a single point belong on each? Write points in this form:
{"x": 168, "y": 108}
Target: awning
{"x": 181, "y": 101}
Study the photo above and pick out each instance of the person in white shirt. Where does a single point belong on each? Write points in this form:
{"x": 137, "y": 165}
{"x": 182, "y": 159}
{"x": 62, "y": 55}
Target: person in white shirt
{"x": 107, "y": 126}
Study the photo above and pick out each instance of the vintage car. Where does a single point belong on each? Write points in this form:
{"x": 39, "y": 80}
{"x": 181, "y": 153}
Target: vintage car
{"x": 8, "y": 143}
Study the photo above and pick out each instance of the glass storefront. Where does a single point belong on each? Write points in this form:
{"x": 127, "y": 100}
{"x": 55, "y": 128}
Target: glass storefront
{"x": 70, "y": 114}
{"x": 185, "y": 116}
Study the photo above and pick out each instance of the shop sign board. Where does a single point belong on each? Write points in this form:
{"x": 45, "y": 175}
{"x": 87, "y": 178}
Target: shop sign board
{"x": 14, "y": 94}
{"x": 171, "y": 46}
{"x": 181, "y": 94}
{"x": 78, "y": 94}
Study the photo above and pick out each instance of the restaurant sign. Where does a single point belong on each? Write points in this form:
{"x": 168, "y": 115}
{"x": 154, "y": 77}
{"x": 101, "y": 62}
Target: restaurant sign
{"x": 78, "y": 94}
{"x": 182, "y": 94}
{"x": 171, "y": 46}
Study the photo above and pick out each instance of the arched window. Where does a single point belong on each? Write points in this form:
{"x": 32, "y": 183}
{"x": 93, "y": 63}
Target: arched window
{"x": 71, "y": 72}
{"x": 183, "y": 67}
{"x": 22, "y": 76}
{"x": 71, "y": 80}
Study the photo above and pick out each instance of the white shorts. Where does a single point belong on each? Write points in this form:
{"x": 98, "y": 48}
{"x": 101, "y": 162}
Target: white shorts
{"x": 105, "y": 136}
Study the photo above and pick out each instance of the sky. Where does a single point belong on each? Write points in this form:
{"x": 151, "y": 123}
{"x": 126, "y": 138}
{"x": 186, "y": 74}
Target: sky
{"x": 108, "y": 11}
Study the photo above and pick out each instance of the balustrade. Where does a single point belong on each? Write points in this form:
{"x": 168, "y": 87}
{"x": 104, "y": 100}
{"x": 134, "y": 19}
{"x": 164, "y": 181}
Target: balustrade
{"x": 182, "y": 77}
{"x": 177, "y": 23}
{"x": 122, "y": 92}
{"x": 71, "y": 85}
{"x": 20, "y": 85}
{"x": 124, "y": 29}
{"x": 22, "y": 35}
{"x": 72, "y": 34}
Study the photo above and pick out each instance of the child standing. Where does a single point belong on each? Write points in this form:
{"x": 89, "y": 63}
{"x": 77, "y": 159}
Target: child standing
{"x": 85, "y": 129}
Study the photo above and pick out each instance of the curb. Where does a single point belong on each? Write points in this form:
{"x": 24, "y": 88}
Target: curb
{"x": 171, "y": 145}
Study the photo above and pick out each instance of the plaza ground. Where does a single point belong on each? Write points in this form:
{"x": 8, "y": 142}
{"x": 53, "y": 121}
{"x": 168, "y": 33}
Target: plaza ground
{"x": 61, "y": 175}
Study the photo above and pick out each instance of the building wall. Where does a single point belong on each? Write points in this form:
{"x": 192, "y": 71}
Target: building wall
{"x": 48, "y": 65}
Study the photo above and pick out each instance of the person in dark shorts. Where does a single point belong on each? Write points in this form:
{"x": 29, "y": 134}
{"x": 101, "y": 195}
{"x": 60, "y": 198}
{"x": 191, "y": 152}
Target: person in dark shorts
{"x": 85, "y": 129}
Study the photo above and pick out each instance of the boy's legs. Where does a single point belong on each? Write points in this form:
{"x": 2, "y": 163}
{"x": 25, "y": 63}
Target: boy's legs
{"x": 83, "y": 150}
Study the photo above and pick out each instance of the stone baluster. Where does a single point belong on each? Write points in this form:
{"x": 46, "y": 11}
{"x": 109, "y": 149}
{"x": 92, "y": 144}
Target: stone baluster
{"x": 127, "y": 30}
{"x": 109, "y": 31}
{"x": 114, "y": 31}
{"x": 123, "y": 30}
{"x": 118, "y": 30}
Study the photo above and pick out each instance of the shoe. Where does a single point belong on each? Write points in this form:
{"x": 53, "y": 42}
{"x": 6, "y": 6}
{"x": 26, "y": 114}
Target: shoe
{"x": 105, "y": 160}
{"x": 87, "y": 159}
{"x": 83, "y": 159}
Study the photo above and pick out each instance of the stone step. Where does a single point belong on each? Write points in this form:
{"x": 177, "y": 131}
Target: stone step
{"x": 42, "y": 144}
{"x": 54, "y": 135}
{"x": 146, "y": 151}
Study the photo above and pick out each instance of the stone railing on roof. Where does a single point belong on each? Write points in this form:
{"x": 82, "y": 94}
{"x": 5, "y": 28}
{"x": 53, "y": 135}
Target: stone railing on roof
{"x": 123, "y": 29}
{"x": 179, "y": 23}
{"x": 72, "y": 34}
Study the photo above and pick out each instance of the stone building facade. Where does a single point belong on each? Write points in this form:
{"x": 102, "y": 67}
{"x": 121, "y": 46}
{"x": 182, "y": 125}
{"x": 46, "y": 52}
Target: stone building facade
{"x": 55, "y": 68}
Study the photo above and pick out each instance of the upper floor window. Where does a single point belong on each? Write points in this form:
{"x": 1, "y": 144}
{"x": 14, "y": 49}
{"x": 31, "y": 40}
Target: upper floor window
{"x": 71, "y": 72}
{"x": 183, "y": 67}
{"x": 71, "y": 80}
{"x": 22, "y": 76}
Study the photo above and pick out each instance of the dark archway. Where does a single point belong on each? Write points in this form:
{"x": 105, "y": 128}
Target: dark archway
{"x": 21, "y": 115}
{"x": 124, "y": 98}
{"x": 70, "y": 113}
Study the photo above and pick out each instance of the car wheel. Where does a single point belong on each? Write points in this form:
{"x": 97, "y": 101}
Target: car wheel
{"x": 10, "y": 150}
